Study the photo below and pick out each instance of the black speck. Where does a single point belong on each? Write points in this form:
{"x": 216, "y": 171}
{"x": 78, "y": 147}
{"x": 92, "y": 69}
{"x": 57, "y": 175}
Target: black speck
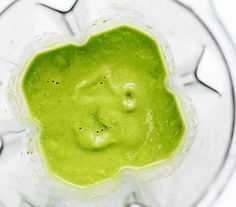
{"x": 47, "y": 81}
{"x": 129, "y": 94}
{"x": 53, "y": 81}
{"x": 104, "y": 77}
{"x": 57, "y": 82}
{"x": 97, "y": 131}
{"x": 102, "y": 130}
{"x": 80, "y": 128}
{"x": 101, "y": 82}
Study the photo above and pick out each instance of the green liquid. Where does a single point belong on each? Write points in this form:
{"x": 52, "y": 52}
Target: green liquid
{"x": 103, "y": 105}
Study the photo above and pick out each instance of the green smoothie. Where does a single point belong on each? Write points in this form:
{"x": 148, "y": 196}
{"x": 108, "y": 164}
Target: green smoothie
{"x": 103, "y": 106}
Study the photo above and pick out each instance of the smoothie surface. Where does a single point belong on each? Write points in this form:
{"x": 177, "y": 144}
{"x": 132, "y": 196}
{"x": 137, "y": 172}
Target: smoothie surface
{"x": 103, "y": 105}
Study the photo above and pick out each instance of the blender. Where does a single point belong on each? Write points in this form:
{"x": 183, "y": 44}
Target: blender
{"x": 203, "y": 59}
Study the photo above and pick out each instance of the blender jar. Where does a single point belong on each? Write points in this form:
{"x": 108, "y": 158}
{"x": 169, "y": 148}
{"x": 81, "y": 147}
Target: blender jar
{"x": 202, "y": 60}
